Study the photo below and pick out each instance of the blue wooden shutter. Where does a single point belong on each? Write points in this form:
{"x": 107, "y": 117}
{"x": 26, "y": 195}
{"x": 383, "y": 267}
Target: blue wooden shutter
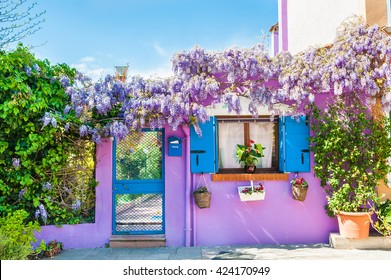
{"x": 294, "y": 144}
{"x": 204, "y": 149}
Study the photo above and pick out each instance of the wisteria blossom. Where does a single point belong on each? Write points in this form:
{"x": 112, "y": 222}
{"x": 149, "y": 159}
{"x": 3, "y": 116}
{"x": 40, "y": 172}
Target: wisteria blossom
{"x": 16, "y": 162}
{"x": 41, "y": 212}
{"x": 47, "y": 186}
{"x": 76, "y": 206}
{"x": 358, "y": 61}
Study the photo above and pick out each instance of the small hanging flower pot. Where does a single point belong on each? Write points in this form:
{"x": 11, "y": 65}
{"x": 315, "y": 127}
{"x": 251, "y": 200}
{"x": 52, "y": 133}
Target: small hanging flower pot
{"x": 299, "y": 188}
{"x": 202, "y": 195}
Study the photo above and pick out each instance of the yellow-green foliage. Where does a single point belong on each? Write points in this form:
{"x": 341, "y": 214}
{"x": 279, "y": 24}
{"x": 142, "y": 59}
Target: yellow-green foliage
{"x": 16, "y": 236}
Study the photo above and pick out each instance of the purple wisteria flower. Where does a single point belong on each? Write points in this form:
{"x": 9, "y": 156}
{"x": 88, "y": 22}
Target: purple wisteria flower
{"x": 46, "y": 119}
{"x": 28, "y": 70}
{"x": 65, "y": 81}
{"x": 358, "y": 61}
{"x": 16, "y": 162}
{"x": 36, "y": 68}
{"x": 43, "y": 212}
{"x": 53, "y": 122}
{"x": 67, "y": 109}
{"x": 66, "y": 127}
{"x": 83, "y": 130}
{"x": 47, "y": 186}
{"x": 76, "y": 206}
{"x": 21, "y": 194}
{"x": 37, "y": 213}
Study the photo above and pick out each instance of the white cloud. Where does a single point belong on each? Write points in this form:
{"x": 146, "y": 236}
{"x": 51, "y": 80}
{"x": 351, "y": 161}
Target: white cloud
{"x": 161, "y": 71}
{"x": 87, "y": 59}
{"x": 97, "y": 68}
{"x": 88, "y": 66}
{"x": 160, "y": 50}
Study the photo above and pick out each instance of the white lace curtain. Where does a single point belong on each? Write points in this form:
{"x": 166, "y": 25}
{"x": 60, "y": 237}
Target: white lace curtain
{"x": 232, "y": 133}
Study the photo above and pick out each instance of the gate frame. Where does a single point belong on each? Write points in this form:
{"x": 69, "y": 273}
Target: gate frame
{"x": 125, "y": 190}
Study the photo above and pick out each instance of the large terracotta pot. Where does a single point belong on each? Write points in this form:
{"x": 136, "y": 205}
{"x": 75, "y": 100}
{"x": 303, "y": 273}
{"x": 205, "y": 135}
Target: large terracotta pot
{"x": 354, "y": 225}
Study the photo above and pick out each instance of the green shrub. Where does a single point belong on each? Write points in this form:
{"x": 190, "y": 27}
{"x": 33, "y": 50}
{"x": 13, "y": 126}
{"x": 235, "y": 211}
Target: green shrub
{"x": 16, "y": 236}
{"x": 383, "y": 223}
{"x": 45, "y": 168}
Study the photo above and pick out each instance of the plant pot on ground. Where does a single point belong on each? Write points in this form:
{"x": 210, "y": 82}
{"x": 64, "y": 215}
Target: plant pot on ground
{"x": 53, "y": 248}
{"x": 351, "y": 151}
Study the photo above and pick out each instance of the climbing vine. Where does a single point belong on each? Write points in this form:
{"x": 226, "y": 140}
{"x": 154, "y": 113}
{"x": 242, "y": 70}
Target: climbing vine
{"x": 46, "y": 169}
{"x": 357, "y": 62}
{"x": 351, "y": 152}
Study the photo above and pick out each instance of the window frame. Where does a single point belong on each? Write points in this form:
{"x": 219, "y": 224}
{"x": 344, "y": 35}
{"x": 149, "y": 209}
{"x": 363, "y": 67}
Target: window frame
{"x": 246, "y": 139}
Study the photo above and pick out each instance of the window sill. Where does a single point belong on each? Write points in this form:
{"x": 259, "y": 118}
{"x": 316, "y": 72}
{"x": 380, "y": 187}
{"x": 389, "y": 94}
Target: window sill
{"x": 249, "y": 177}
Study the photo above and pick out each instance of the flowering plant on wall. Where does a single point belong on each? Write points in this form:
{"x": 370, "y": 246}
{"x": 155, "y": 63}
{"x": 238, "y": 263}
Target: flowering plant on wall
{"x": 299, "y": 182}
{"x": 299, "y": 188}
{"x": 251, "y": 190}
{"x": 252, "y": 193}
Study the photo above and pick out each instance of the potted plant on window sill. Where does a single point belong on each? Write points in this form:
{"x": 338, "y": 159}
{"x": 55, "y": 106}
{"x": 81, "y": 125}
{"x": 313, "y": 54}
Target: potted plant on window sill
{"x": 249, "y": 155}
{"x": 351, "y": 151}
{"x": 252, "y": 193}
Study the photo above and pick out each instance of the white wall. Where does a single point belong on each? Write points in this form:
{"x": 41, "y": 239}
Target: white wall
{"x": 314, "y": 22}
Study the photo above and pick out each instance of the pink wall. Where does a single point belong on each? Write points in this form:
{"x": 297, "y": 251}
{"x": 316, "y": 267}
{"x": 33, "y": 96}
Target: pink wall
{"x": 276, "y": 220}
{"x": 283, "y": 24}
{"x": 175, "y": 192}
{"x": 94, "y": 234}
{"x": 98, "y": 233}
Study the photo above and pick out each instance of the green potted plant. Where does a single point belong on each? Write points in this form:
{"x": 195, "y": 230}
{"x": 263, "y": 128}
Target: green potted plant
{"x": 299, "y": 188}
{"x": 249, "y": 155}
{"x": 351, "y": 151}
{"x": 53, "y": 248}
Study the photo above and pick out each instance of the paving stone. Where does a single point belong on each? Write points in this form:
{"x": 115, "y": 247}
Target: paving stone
{"x": 257, "y": 252}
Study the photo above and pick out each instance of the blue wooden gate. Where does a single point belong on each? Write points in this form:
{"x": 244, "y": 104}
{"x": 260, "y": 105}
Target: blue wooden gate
{"x": 138, "y": 187}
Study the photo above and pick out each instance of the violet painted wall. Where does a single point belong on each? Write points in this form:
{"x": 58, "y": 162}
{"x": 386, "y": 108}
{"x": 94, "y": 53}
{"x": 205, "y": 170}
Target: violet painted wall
{"x": 276, "y": 220}
{"x": 175, "y": 192}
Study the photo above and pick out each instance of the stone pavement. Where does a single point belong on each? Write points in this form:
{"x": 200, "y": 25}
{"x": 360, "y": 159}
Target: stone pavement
{"x": 250, "y": 252}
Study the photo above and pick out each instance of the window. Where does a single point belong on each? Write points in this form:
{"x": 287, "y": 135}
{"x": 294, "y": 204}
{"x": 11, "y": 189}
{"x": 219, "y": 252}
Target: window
{"x": 233, "y": 131}
{"x": 388, "y": 13}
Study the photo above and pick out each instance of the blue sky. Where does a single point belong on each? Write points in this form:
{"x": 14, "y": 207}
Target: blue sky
{"x": 94, "y": 35}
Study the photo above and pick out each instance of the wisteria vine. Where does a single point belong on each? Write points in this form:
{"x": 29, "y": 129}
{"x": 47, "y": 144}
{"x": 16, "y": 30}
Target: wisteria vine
{"x": 357, "y": 61}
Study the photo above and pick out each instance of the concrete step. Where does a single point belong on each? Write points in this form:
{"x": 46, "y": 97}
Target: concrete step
{"x": 137, "y": 241}
{"x": 374, "y": 242}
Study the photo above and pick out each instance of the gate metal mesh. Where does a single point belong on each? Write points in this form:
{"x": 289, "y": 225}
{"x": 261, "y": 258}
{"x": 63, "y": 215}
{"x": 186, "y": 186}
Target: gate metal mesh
{"x": 139, "y": 156}
{"x": 139, "y": 212}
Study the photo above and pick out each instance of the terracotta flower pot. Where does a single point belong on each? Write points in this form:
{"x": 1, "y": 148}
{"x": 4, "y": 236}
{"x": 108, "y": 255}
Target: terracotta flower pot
{"x": 250, "y": 168}
{"x": 354, "y": 225}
